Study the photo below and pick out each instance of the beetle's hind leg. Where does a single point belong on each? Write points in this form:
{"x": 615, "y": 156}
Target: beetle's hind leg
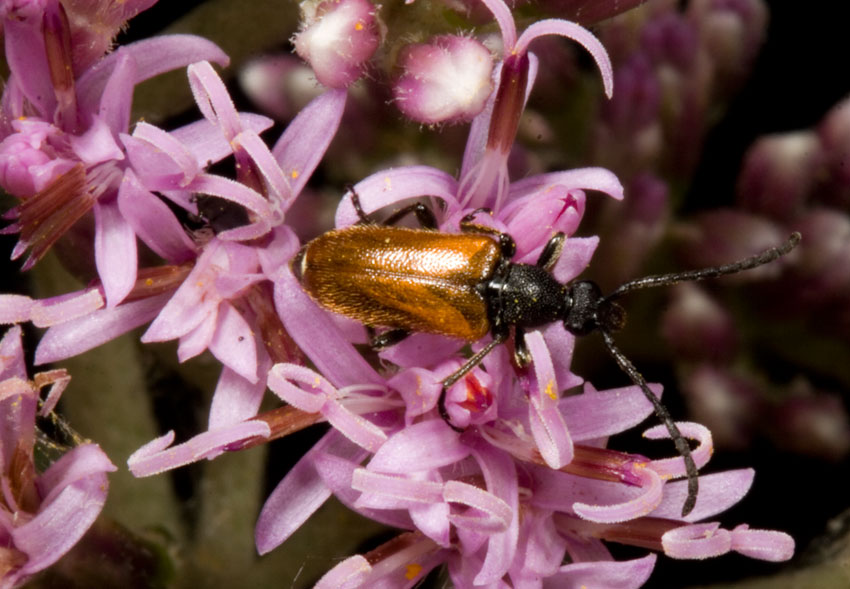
{"x": 388, "y": 338}
{"x": 423, "y": 213}
{"x": 460, "y": 373}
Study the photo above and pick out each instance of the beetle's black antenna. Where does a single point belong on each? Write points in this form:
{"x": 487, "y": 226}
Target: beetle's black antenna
{"x": 767, "y": 256}
{"x": 664, "y": 417}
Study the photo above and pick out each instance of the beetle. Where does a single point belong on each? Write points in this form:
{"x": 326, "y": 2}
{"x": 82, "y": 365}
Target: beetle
{"x": 465, "y": 286}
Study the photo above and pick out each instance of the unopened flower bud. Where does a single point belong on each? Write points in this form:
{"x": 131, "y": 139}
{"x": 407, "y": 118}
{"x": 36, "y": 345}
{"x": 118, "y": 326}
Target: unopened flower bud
{"x": 280, "y": 85}
{"x": 726, "y": 235}
{"x": 779, "y": 173}
{"x": 726, "y": 403}
{"x": 446, "y": 80}
{"x": 337, "y": 39}
{"x": 813, "y": 423}
{"x": 823, "y": 261}
{"x": 697, "y": 327}
{"x": 732, "y": 32}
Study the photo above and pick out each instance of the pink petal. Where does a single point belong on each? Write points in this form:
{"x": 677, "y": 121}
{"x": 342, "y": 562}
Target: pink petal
{"x": 351, "y": 573}
{"x": 115, "y": 252}
{"x": 207, "y": 143}
{"x": 598, "y": 414}
{"x": 117, "y": 97}
{"x": 234, "y": 344}
{"x": 697, "y": 541}
{"x": 547, "y": 424}
{"x": 80, "y": 335}
{"x": 717, "y": 493}
{"x": 301, "y": 492}
{"x": 48, "y": 312}
{"x": 638, "y": 507}
{"x": 153, "y": 56}
{"x": 153, "y": 222}
{"x": 420, "y": 447}
{"x": 156, "y": 457}
{"x": 629, "y": 574}
{"x": 15, "y": 308}
{"x": 304, "y": 142}
{"x": 675, "y": 467}
{"x": 762, "y": 544}
{"x": 235, "y": 398}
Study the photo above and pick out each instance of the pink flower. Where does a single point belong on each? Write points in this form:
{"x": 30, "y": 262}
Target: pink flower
{"x": 42, "y": 515}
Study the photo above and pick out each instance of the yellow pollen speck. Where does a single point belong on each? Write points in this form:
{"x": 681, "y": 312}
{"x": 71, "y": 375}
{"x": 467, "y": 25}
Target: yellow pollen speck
{"x": 550, "y": 390}
{"x": 358, "y": 26}
{"x": 294, "y": 174}
{"x": 149, "y": 282}
{"x": 412, "y": 571}
{"x": 316, "y": 382}
{"x": 388, "y": 183}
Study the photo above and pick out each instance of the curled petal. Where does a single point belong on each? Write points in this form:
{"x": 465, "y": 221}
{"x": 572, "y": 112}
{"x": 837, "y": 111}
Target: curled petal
{"x": 578, "y": 34}
{"x": 356, "y": 428}
{"x": 310, "y": 401}
{"x": 637, "y": 507}
{"x": 497, "y": 514}
{"x": 767, "y": 545}
{"x": 156, "y": 456}
{"x": 675, "y": 467}
{"x": 696, "y": 541}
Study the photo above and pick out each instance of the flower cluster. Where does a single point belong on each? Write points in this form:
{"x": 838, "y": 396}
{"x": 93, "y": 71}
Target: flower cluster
{"x": 528, "y": 493}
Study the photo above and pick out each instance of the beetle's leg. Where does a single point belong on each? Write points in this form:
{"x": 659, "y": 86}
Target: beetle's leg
{"x": 522, "y": 356}
{"x": 551, "y": 251}
{"x": 423, "y": 213}
{"x": 461, "y": 372}
{"x": 507, "y": 245}
{"x": 388, "y": 338}
{"x": 365, "y": 219}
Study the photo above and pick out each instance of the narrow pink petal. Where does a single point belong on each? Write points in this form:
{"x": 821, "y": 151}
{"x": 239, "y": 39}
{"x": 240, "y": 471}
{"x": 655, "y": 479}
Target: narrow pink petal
{"x": 61, "y": 523}
{"x": 15, "y": 308}
{"x": 80, "y": 335}
{"x": 351, "y": 573}
{"x": 717, "y": 493}
{"x": 675, "y": 467}
{"x": 580, "y": 178}
{"x": 697, "y": 541}
{"x": 390, "y": 186}
{"x": 234, "y": 344}
{"x": 27, "y": 59}
{"x": 503, "y": 16}
{"x": 114, "y": 252}
{"x": 766, "y": 545}
{"x": 236, "y": 399}
{"x": 308, "y": 392}
{"x": 598, "y": 414}
{"x": 153, "y": 458}
{"x": 281, "y": 193}
{"x": 168, "y": 144}
{"x": 423, "y": 446}
{"x": 638, "y": 507}
{"x": 301, "y": 492}
{"x": 78, "y": 464}
{"x": 390, "y": 491}
{"x": 356, "y": 428}
{"x": 213, "y": 99}
{"x": 12, "y": 361}
{"x": 233, "y": 191}
{"x": 46, "y": 313}
{"x": 153, "y": 56}
{"x": 629, "y": 574}
{"x": 547, "y": 424}
{"x": 575, "y": 257}
{"x": 303, "y": 144}
{"x": 206, "y": 142}
{"x": 578, "y": 34}
{"x": 117, "y": 98}
{"x": 495, "y": 514}
{"x": 198, "y": 339}
{"x": 153, "y": 222}
{"x": 317, "y": 335}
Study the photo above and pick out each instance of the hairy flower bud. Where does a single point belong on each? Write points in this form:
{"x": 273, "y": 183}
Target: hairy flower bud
{"x": 446, "y": 80}
{"x": 337, "y": 39}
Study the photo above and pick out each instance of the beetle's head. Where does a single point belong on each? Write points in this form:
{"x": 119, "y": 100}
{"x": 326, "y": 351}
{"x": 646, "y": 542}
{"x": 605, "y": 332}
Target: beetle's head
{"x": 586, "y": 310}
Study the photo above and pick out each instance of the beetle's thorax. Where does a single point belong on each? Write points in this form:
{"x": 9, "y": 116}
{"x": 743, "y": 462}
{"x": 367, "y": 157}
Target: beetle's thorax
{"x": 522, "y": 295}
